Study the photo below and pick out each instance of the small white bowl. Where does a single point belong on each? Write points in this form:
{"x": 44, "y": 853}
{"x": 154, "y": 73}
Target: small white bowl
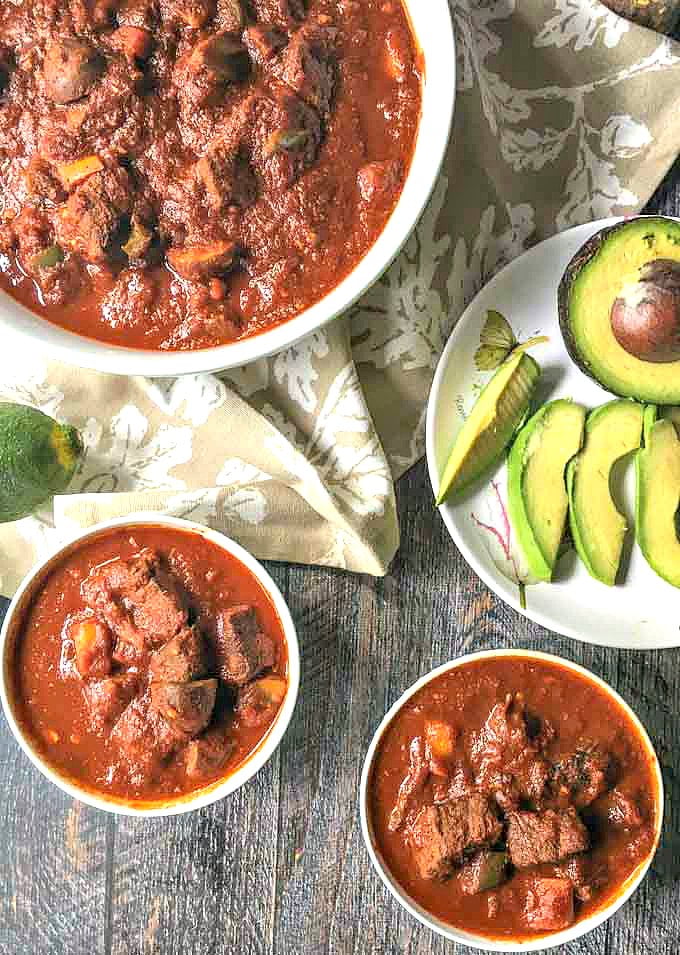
{"x": 203, "y": 797}
{"x": 543, "y": 942}
{"x": 433, "y": 29}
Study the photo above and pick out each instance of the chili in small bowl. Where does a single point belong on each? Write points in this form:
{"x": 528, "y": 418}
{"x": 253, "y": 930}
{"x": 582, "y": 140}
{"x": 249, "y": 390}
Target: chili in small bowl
{"x": 149, "y": 667}
{"x": 511, "y": 801}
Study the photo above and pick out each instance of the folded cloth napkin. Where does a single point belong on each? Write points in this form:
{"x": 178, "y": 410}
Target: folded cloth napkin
{"x": 565, "y": 113}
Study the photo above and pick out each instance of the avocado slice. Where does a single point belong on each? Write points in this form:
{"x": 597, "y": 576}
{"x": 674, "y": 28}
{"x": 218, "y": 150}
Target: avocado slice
{"x": 657, "y": 500}
{"x": 672, "y": 412}
{"x": 498, "y": 412}
{"x": 537, "y": 493}
{"x": 38, "y": 458}
{"x": 597, "y": 527}
{"x": 593, "y": 280}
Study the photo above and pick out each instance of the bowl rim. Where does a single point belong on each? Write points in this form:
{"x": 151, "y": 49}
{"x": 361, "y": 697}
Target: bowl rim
{"x": 216, "y": 790}
{"x": 26, "y": 327}
{"x": 540, "y": 943}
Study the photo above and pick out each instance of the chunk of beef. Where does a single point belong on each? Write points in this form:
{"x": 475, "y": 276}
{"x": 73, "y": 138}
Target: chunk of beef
{"x": 93, "y": 644}
{"x": 135, "y": 43}
{"x": 308, "y": 65}
{"x": 549, "y": 905}
{"x": 581, "y": 778}
{"x": 87, "y": 223}
{"x": 188, "y": 13}
{"x": 209, "y": 753}
{"x": 181, "y": 659}
{"x": 226, "y": 176}
{"x": 259, "y": 701}
{"x": 199, "y": 262}
{"x": 242, "y": 650}
{"x": 379, "y": 182}
{"x": 263, "y": 42}
{"x": 441, "y": 834}
{"x": 457, "y": 783}
{"x": 484, "y": 871}
{"x": 547, "y": 836}
{"x": 505, "y": 754}
{"x": 282, "y": 13}
{"x": 144, "y": 742}
{"x": 70, "y": 69}
{"x": 43, "y": 187}
{"x": 285, "y": 138}
{"x": 186, "y": 707}
{"x": 622, "y": 810}
{"x": 580, "y": 872}
{"x": 106, "y": 699}
{"x": 203, "y": 75}
{"x": 137, "y": 603}
{"x": 412, "y": 783}
{"x": 229, "y": 16}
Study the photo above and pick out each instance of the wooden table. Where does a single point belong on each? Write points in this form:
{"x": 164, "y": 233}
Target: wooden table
{"x": 280, "y": 867}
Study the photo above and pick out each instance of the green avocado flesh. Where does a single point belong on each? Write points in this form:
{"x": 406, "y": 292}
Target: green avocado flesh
{"x": 590, "y": 285}
{"x": 658, "y": 497}
{"x": 488, "y": 429}
{"x": 537, "y": 493}
{"x": 38, "y": 458}
{"x": 597, "y": 527}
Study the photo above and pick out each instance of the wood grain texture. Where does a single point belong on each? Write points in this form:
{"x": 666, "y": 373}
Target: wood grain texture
{"x": 280, "y": 868}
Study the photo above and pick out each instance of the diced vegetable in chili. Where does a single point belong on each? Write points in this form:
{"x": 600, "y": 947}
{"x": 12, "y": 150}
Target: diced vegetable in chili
{"x": 49, "y": 258}
{"x": 203, "y": 261}
{"x": 138, "y": 241}
{"x": 71, "y": 173}
{"x": 285, "y": 139}
{"x": 485, "y": 870}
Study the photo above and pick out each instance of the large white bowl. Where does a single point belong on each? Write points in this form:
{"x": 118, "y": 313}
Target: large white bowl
{"x": 544, "y": 942}
{"x": 431, "y": 21}
{"x": 202, "y": 797}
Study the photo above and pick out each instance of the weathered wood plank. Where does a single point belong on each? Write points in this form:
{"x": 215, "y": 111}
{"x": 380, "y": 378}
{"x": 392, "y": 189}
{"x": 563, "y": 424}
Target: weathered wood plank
{"x": 53, "y": 884}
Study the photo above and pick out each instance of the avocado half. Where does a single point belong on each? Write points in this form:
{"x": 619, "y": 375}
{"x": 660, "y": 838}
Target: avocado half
{"x": 586, "y": 293}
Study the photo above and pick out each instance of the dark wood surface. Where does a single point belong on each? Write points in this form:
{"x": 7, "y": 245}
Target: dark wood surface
{"x": 280, "y": 868}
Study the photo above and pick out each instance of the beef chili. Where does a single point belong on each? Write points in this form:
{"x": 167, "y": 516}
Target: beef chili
{"x": 149, "y": 664}
{"x": 179, "y": 174}
{"x": 511, "y": 797}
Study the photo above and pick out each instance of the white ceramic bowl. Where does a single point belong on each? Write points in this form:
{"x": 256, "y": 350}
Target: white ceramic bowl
{"x": 211, "y": 793}
{"x": 433, "y": 29}
{"x": 479, "y": 941}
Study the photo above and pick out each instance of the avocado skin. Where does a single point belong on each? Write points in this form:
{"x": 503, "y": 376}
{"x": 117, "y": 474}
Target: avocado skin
{"x": 31, "y": 469}
{"x": 583, "y": 257}
{"x": 662, "y": 559}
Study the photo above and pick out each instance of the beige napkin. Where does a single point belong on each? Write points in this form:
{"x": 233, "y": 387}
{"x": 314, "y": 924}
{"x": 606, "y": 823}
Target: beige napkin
{"x": 565, "y": 113}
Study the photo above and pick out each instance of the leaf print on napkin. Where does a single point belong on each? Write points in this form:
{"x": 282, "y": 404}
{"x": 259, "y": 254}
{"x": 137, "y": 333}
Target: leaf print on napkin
{"x": 295, "y": 366}
{"x": 24, "y": 381}
{"x": 125, "y": 457}
{"x": 191, "y": 397}
{"x": 402, "y": 319}
{"x": 585, "y": 22}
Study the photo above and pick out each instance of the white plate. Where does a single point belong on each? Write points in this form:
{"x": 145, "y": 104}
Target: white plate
{"x": 641, "y": 613}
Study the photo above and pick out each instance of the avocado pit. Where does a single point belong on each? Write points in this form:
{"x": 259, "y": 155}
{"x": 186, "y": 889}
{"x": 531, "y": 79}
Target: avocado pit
{"x": 645, "y": 316}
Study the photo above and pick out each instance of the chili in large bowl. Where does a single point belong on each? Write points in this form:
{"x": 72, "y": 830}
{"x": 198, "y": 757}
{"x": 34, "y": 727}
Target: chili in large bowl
{"x": 149, "y": 667}
{"x": 191, "y": 184}
{"x": 511, "y": 801}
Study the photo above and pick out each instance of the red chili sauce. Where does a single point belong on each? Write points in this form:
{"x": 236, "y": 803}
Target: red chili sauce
{"x": 179, "y": 174}
{"x": 149, "y": 664}
{"x": 512, "y": 798}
